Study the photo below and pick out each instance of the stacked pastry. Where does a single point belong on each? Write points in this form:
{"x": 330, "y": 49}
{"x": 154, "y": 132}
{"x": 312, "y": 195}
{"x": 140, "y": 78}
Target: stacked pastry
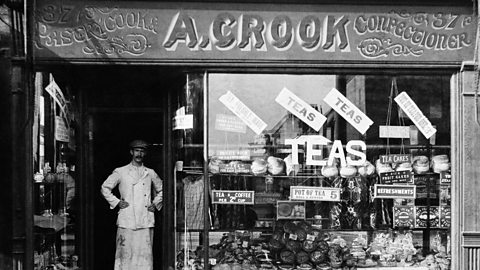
{"x": 421, "y": 164}
{"x": 440, "y": 163}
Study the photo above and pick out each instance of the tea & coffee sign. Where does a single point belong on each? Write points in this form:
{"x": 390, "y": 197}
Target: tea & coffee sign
{"x": 232, "y": 197}
{"x": 196, "y": 32}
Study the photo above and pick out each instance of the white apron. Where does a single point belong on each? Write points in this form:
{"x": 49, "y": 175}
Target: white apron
{"x": 134, "y": 249}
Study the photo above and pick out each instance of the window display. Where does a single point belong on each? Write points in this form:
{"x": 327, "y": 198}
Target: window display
{"x": 55, "y": 217}
{"x": 318, "y": 172}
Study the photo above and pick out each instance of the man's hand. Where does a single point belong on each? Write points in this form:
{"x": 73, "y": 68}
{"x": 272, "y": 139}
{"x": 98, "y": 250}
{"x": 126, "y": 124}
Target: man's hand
{"x": 122, "y": 204}
{"x": 151, "y": 208}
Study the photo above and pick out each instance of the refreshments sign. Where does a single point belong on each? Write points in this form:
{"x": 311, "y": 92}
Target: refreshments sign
{"x": 199, "y": 33}
{"x": 394, "y": 191}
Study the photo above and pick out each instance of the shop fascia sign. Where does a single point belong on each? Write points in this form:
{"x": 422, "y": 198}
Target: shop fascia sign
{"x": 162, "y": 31}
{"x": 311, "y": 141}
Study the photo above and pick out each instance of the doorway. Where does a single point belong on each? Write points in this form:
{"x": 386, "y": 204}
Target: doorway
{"x": 112, "y": 133}
{"x": 121, "y": 104}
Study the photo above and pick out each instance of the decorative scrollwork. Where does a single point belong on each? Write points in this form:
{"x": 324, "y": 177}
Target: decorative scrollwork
{"x": 376, "y": 47}
{"x": 417, "y": 18}
{"x": 467, "y": 21}
{"x": 402, "y": 13}
{"x": 133, "y": 44}
{"x": 420, "y": 18}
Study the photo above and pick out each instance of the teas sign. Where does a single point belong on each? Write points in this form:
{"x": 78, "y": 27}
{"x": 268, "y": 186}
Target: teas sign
{"x": 395, "y": 191}
{"x": 233, "y": 197}
{"x": 314, "y": 193}
{"x": 301, "y": 109}
{"x": 348, "y": 110}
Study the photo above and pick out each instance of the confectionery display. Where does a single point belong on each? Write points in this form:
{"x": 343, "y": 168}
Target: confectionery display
{"x": 358, "y": 230}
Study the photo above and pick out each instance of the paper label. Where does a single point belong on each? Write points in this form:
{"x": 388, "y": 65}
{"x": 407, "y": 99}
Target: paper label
{"x": 315, "y": 193}
{"x": 183, "y": 121}
{"x": 397, "y": 132}
{"x": 62, "y": 133}
{"x": 243, "y": 112}
{"x": 403, "y": 216}
{"x": 413, "y": 112}
{"x": 396, "y": 177}
{"x": 233, "y": 197}
{"x": 348, "y": 110}
{"x": 231, "y": 123}
{"x": 56, "y": 93}
{"x": 301, "y": 109}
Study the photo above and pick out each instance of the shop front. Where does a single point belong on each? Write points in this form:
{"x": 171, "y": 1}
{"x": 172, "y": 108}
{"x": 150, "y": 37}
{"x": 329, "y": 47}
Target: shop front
{"x": 288, "y": 136}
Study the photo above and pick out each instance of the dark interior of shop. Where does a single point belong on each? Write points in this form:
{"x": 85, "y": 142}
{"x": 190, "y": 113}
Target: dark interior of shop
{"x": 119, "y": 104}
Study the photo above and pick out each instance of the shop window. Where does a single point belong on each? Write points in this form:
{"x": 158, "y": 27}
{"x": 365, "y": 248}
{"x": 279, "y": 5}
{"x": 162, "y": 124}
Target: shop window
{"x": 313, "y": 171}
{"x": 55, "y": 198}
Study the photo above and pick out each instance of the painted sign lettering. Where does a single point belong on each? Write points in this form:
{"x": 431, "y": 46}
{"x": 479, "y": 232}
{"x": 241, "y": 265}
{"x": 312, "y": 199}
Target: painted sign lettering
{"x": 415, "y": 114}
{"x": 161, "y": 31}
{"x": 355, "y": 148}
{"x": 233, "y": 197}
{"x": 315, "y": 193}
{"x": 348, "y": 110}
{"x": 236, "y": 106}
{"x": 396, "y": 177}
{"x": 300, "y": 109}
{"x": 398, "y": 158}
{"x": 394, "y": 191}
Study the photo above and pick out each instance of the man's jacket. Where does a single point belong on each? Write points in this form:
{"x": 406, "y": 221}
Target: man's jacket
{"x": 137, "y": 191}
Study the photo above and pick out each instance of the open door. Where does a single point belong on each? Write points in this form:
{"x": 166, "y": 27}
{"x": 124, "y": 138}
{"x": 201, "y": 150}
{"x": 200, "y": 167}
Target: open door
{"x": 112, "y": 132}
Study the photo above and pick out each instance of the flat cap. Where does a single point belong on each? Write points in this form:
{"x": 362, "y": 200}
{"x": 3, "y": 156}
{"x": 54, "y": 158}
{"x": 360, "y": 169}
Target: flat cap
{"x": 139, "y": 144}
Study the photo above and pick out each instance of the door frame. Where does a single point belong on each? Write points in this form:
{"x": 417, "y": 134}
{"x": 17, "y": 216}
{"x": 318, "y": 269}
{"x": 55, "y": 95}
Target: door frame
{"x": 87, "y": 187}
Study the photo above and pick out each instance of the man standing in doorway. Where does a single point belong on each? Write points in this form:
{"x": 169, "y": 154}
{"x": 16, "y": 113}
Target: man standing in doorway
{"x": 136, "y": 209}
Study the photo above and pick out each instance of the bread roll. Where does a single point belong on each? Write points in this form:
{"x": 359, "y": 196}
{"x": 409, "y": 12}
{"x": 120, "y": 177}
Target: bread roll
{"x": 406, "y": 166}
{"x": 367, "y": 169}
{"x": 348, "y": 171}
{"x": 420, "y": 164}
{"x": 440, "y": 163}
{"x": 329, "y": 171}
{"x": 259, "y": 166}
{"x": 275, "y": 166}
{"x": 383, "y": 167}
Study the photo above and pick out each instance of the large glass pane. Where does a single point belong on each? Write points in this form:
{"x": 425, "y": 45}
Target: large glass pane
{"x": 56, "y": 216}
{"x": 189, "y": 178}
{"x": 359, "y": 186}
